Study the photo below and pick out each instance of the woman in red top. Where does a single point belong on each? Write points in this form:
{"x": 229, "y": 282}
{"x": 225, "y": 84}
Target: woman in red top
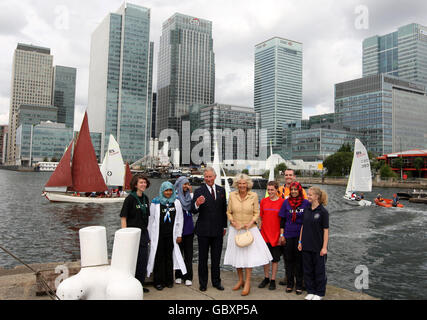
{"x": 270, "y": 231}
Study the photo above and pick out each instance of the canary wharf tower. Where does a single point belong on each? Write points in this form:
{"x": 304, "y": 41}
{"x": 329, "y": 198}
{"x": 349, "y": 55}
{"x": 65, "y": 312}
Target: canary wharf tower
{"x": 186, "y": 73}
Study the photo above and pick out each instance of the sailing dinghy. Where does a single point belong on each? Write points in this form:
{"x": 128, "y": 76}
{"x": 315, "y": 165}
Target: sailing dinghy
{"x": 360, "y": 178}
{"x": 79, "y": 173}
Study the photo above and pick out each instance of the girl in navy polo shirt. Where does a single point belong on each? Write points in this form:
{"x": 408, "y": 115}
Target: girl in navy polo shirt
{"x": 313, "y": 243}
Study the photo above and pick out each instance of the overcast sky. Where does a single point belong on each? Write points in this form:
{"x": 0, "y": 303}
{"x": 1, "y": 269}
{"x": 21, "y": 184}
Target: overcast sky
{"x": 331, "y": 33}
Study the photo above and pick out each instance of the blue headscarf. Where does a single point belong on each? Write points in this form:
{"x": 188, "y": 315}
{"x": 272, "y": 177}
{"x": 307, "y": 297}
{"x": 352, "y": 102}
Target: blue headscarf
{"x": 184, "y": 198}
{"x": 161, "y": 198}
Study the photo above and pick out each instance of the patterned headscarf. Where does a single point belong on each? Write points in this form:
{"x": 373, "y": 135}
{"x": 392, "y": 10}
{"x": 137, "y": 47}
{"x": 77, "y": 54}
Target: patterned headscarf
{"x": 295, "y": 202}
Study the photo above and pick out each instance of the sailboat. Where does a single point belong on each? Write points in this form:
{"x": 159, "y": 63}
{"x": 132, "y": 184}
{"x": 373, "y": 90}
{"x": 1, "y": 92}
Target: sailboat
{"x": 217, "y": 167}
{"x": 360, "y": 178}
{"x": 78, "y": 173}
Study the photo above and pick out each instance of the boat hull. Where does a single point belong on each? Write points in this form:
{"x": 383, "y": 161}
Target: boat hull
{"x": 63, "y": 197}
{"x": 387, "y": 203}
{"x": 360, "y": 203}
{"x": 418, "y": 200}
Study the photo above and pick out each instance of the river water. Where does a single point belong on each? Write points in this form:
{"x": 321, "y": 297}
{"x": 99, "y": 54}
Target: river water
{"x": 389, "y": 242}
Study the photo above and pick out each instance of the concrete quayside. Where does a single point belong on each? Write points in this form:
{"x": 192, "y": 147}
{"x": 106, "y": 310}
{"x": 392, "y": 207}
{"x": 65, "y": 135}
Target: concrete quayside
{"x": 20, "y": 283}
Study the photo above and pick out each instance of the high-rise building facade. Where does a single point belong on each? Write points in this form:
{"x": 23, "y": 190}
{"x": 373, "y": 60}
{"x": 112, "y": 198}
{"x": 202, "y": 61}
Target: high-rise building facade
{"x": 402, "y": 53}
{"x": 388, "y": 111}
{"x": 120, "y": 81}
{"x": 3, "y": 143}
{"x": 31, "y": 84}
{"x": 278, "y": 85}
{"x": 64, "y": 93}
{"x": 186, "y": 72}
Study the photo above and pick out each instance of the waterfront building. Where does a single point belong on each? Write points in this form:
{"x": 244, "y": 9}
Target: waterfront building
{"x": 31, "y": 84}
{"x": 223, "y": 122}
{"x": 3, "y": 143}
{"x": 390, "y": 112}
{"x": 278, "y": 85}
{"x": 186, "y": 69}
{"x": 153, "y": 115}
{"x": 120, "y": 80}
{"x": 408, "y": 157}
{"x": 64, "y": 93}
{"x": 402, "y": 53}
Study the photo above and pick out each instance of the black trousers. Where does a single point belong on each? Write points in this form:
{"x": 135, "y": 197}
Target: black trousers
{"x": 163, "y": 262}
{"x": 294, "y": 269}
{"x": 215, "y": 245}
{"x": 186, "y": 247}
{"x": 314, "y": 272}
{"x": 142, "y": 260}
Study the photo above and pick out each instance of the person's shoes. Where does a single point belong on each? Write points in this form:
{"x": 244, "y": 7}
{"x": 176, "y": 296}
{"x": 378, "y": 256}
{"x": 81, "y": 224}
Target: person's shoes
{"x": 178, "y": 280}
{"x": 188, "y": 282}
{"x": 316, "y": 297}
{"x": 170, "y": 285}
{"x": 145, "y": 290}
{"x": 238, "y": 285}
{"x": 219, "y": 287}
{"x": 289, "y": 290}
{"x": 246, "y": 289}
{"x": 284, "y": 282}
{"x": 264, "y": 283}
{"x": 272, "y": 285}
{"x": 158, "y": 287}
{"x": 298, "y": 291}
{"x": 309, "y": 296}
{"x": 202, "y": 288}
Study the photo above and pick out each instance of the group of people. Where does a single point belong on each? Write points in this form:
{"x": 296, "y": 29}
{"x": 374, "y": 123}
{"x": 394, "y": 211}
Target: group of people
{"x": 289, "y": 222}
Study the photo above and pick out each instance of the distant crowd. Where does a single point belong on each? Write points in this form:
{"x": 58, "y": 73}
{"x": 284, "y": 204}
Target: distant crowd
{"x": 290, "y": 222}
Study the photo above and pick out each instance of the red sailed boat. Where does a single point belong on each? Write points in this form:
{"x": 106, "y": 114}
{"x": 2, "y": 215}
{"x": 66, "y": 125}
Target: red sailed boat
{"x": 78, "y": 174}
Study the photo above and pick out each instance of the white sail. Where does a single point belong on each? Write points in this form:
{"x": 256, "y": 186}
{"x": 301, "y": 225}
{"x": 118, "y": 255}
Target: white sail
{"x": 112, "y": 168}
{"x": 216, "y": 165}
{"x": 226, "y": 184}
{"x": 360, "y": 178}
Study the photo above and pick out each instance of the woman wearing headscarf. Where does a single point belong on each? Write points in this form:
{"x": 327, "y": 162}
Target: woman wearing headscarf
{"x": 184, "y": 195}
{"x": 292, "y": 215}
{"x": 165, "y": 230}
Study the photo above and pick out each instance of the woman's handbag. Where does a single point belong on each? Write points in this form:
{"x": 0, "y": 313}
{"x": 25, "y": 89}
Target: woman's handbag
{"x": 244, "y": 239}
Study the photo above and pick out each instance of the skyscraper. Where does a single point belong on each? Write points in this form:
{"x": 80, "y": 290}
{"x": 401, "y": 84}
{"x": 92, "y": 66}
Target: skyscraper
{"x": 186, "y": 72}
{"x": 402, "y": 53}
{"x": 63, "y": 94}
{"x": 31, "y": 84}
{"x": 278, "y": 85}
{"x": 120, "y": 80}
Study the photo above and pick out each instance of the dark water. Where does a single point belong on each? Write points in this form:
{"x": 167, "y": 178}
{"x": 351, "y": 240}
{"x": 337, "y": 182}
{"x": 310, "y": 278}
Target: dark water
{"x": 390, "y": 242}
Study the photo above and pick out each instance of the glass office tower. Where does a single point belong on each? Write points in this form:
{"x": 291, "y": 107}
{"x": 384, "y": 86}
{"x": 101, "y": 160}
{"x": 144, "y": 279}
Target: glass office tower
{"x": 278, "y": 85}
{"x": 389, "y": 111}
{"x": 186, "y": 73}
{"x": 402, "y": 53}
{"x": 64, "y": 93}
{"x": 120, "y": 81}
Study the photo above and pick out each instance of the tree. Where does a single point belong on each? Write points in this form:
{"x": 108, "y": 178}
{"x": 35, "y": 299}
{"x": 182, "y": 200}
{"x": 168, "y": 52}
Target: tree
{"x": 54, "y": 159}
{"x": 387, "y": 172}
{"x": 245, "y": 171}
{"x": 45, "y": 159}
{"x": 339, "y": 163}
{"x": 398, "y": 163}
{"x": 345, "y": 148}
{"x": 281, "y": 167}
{"x": 418, "y": 164}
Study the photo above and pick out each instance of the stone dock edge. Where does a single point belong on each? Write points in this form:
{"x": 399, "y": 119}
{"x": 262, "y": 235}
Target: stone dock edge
{"x": 20, "y": 283}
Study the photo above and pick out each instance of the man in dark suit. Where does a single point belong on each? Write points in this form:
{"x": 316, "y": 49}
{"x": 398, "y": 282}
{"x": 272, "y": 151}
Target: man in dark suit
{"x": 209, "y": 202}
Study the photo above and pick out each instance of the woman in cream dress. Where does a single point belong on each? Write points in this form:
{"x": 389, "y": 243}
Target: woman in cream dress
{"x": 243, "y": 213}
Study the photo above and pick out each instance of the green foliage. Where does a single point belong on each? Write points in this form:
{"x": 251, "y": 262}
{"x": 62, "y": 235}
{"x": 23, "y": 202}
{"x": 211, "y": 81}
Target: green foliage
{"x": 339, "y": 163}
{"x": 266, "y": 174}
{"x": 387, "y": 172}
{"x": 54, "y": 159}
{"x": 45, "y": 159}
{"x": 418, "y": 164}
{"x": 397, "y": 163}
{"x": 245, "y": 171}
{"x": 346, "y": 147}
{"x": 280, "y": 167}
{"x": 376, "y": 164}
